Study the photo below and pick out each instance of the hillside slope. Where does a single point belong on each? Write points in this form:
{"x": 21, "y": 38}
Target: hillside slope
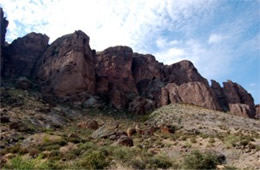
{"x": 35, "y": 134}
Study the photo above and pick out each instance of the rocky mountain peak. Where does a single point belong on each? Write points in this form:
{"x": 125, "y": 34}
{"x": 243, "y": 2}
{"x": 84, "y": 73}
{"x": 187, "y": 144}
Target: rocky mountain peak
{"x": 69, "y": 70}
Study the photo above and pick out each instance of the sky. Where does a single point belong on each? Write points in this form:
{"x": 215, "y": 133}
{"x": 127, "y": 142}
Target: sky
{"x": 220, "y": 37}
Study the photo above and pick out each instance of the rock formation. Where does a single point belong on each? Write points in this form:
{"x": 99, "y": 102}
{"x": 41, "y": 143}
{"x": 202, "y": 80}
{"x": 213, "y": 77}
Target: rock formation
{"x": 195, "y": 93}
{"x": 220, "y": 95}
{"x": 236, "y": 94}
{"x": 183, "y": 72}
{"x": 3, "y": 26}
{"x": 149, "y": 76}
{"x": 68, "y": 70}
{"x": 23, "y": 53}
{"x": 257, "y": 108}
{"x": 241, "y": 110}
{"x": 114, "y": 75}
{"x": 146, "y": 67}
{"x": 67, "y": 66}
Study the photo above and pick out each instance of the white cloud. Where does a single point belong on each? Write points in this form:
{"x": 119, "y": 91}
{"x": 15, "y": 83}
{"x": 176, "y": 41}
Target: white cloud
{"x": 216, "y": 38}
{"x": 108, "y": 23}
{"x": 211, "y": 61}
{"x": 163, "y": 43}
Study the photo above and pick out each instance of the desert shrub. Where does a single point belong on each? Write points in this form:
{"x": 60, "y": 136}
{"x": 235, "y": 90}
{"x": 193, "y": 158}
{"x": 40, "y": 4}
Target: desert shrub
{"x": 193, "y": 140}
{"x": 52, "y": 145}
{"x": 86, "y": 146}
{"x": 198, "y": 160}
{"x": 204, "y": 136}
{"x": 156, "y": 162}
{"x": 73, "y": 154}
{"x": 94, "y": 160}
{"x": 231, "y": 140}
{"x": 245, "y": 140}
{"x": 123, "y": 154}
{"x": 55, "y": 155}
{"x": 137, "y": 164}
{"x": 212, "y": 140}
{"x": 238, "y": 140}
{"x": 20, "y": 163}
{"x": 230, "y": 168}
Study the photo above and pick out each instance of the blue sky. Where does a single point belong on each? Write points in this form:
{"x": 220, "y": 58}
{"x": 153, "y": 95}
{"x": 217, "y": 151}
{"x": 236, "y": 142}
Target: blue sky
{"x": 221, "y": 37}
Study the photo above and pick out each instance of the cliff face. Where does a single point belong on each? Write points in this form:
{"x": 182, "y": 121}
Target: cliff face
{"x": 69, "y": 69}
{"x": 3, "y": 26}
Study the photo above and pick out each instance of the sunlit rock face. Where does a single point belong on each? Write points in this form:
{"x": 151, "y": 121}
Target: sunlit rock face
{"x": 23, "y": 53}
{"x": 67, "y": 66}
{"x": 195, "y": 93}
{"x": 114, "y": 75}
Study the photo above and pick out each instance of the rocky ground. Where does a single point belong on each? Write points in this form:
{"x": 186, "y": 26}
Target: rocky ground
{"x": 35, "y": 134}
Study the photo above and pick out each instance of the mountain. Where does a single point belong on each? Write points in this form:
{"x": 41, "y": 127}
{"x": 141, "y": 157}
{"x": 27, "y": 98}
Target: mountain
{"x": 67, "y": 106}
{"x": 68, "y": 70}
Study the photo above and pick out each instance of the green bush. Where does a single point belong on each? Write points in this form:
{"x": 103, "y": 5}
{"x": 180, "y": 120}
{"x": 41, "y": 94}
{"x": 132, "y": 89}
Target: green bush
{"x": 123, "y": 154}
{"x": 137, "y": 164}
{"x": 198, "y": 160}
{"x": 156, "y": 162}
{"x": 94, "y": 160}
{"x": 238, "y": 140}
{"x": 20, "y": 163}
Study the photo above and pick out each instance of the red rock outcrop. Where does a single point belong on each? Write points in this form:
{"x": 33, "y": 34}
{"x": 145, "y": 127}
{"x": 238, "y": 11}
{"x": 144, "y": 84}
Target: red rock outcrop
{"x": 67, "y": 66}
{"x": 183, "y": 72}
{"x": 114, "y": 75}
{"x": 196, "y": 93}
{"x": 3, "y": 26}
{"x": 257, "y": 108}
{"x": 236, "y": 94}
{"x": 149, "y": 76}
{"x": 146, "y": 67}
{"x": 220, "y": 95}
{"x": 23, "y": 53}
{"x": 239, "y": 109}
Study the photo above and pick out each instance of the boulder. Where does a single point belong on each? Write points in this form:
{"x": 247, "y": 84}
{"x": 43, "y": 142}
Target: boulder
{"x": 140, "y": 105}
{"x": 67, "y": 66}
{"x": 131, "y": 131}
{"x": 114, "y": 75}
{"x": 68, "y": 148}
{"x": 22, "y": 55}
{"x": 257, "y": 108}
{"x": 105, "y": 131}
{"x": 4, "y": 119}
{"x": 23, "y": 83}
{"x": 239, "y": 109}
{"x": 91, "y": 102}
{"x": 183, "y": 72}
{"x": 91, "y": 124}
{"x": 196, "y": 93}
{"x": 168, "y": 129}
{"x": 236, "y": 94}
{"x": 126, "y": 141}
